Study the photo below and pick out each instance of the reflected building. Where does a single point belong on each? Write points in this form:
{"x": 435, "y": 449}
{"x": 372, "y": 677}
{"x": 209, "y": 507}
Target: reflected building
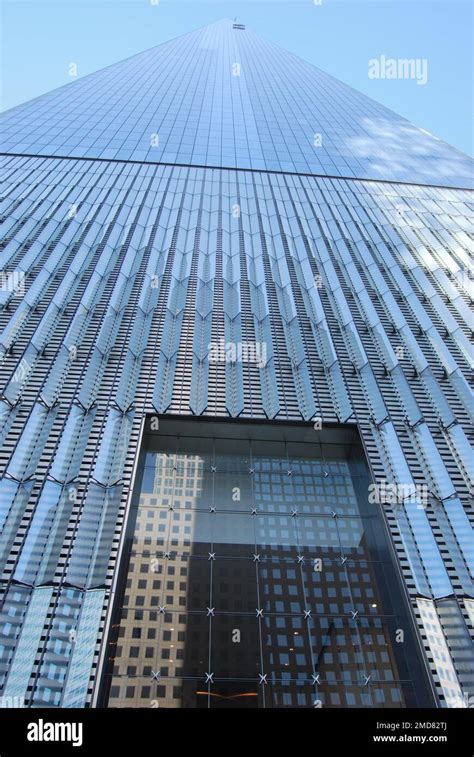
{"x": 254, "y": 565}
{"x": 235, "y": 411}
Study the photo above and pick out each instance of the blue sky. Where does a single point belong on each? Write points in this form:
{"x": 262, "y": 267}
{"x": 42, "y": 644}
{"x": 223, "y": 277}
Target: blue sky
{"x": 40, "y": 40}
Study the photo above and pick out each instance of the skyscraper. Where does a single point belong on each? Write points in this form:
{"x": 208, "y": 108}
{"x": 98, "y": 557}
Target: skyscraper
{"x": 235, "y": 409}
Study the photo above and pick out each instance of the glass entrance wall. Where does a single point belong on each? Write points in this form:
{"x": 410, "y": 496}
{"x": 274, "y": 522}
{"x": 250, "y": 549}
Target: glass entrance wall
{"x": 256, "y": 574}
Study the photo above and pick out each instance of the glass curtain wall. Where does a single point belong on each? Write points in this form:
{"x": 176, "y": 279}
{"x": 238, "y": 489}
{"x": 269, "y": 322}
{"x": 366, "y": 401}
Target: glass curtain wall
{"x": 256, "y": 574}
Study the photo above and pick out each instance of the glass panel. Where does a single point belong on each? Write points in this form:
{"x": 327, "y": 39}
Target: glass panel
{"x": 264, "y": 600}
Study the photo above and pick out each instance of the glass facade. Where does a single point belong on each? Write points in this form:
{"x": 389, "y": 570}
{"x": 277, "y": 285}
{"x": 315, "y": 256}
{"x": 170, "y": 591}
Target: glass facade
{"x": 178, "y": 240}
{"x": 256, "y": 574}
{"x": 224, "y": 97}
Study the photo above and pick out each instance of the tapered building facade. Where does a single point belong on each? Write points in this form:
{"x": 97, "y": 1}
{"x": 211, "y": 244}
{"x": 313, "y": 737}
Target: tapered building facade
{"x": 235, "y": 355}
